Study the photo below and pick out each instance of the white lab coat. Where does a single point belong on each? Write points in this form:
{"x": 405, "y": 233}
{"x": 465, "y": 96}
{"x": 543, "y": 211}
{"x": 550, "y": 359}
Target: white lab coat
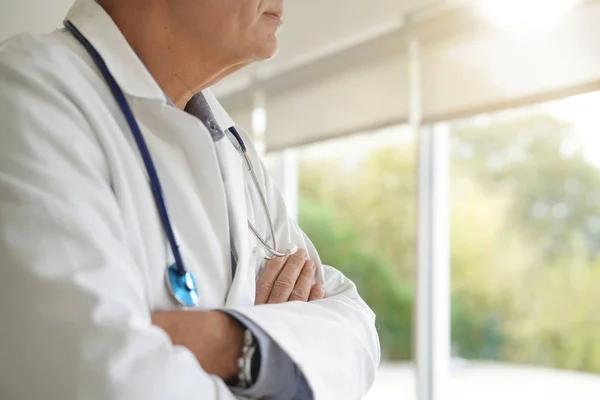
{"x": 83, "y": 254}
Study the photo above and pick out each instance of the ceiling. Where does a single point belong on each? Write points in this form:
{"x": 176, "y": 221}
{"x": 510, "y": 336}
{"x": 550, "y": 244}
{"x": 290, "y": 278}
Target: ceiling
{"x": 314, "y": 29}
{"x": 332, "y": 50}
{"x": 313, "y": 26}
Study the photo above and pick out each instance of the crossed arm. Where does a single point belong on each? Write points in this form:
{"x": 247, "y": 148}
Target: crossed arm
{"x": 215, "y": 338}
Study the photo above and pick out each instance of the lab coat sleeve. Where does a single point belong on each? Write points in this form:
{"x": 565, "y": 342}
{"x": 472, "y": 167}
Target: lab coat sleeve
{"x": 74, "y": 315}
{"x": 333, "y": 341}
{"x": 278, "y": 377}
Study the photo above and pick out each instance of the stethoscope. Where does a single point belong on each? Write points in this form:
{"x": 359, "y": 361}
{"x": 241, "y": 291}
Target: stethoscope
{"x": 180, "y": 282}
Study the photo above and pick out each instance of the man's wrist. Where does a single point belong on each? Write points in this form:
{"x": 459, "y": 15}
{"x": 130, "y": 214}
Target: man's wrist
{"x": 231, "y": 342}
{"x": 214, "y": 337}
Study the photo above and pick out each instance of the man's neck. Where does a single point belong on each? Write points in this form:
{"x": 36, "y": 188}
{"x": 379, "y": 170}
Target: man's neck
{"x": 181, "y": 69}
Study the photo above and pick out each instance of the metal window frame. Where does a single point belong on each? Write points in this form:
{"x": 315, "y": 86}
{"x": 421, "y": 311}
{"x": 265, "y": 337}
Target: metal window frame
{"x": 432, "y": 302}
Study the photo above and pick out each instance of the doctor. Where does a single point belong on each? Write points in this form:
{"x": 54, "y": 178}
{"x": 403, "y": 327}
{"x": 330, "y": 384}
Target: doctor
{"x": 144, "y": 251}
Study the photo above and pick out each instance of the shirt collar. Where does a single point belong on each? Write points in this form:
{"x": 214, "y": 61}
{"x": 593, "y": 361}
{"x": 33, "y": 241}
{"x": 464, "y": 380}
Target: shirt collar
{"x": 223, "y": 118}
{"x": 128, "y": 70}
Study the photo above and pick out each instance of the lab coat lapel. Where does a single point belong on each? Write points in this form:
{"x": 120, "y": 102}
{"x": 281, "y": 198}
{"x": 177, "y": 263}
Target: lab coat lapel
{"x": 242, "y": 290}
{"x": 194, "y": 191}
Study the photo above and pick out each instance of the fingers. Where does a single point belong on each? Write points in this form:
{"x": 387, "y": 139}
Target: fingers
{"x": 286, "y": 281}
{"x": 267, "y": 279}
{"x": 301, "y": 291}
{"x": 317, "y": 292}
{"x": 289, "y": 279}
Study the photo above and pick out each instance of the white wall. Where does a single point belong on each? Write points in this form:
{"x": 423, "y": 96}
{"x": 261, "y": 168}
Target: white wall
{"x": 17, "y": 16}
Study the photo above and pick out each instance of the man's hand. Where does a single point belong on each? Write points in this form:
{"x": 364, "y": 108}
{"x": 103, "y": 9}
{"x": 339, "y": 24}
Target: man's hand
{"x": 288, "y": 279}
{"x": 214, "y": 337}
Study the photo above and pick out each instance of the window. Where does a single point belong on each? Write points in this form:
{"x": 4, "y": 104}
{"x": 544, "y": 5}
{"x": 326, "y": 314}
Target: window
{"x": 358, "y": 205}
{"x": 525, "y": 235}
{"x": 526, "y": 252}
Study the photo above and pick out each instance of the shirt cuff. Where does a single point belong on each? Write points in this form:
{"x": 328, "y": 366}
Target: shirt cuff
{"x": 278, "y": 376}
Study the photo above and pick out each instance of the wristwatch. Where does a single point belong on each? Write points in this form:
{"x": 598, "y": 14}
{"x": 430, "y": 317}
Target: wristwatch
{"x": 248, "y": 363}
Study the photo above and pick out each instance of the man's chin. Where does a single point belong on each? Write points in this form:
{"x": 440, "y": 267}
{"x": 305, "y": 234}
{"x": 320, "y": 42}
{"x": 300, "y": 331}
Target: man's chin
{"x": 267, "y": 52}
{"x": 267, "y": 48}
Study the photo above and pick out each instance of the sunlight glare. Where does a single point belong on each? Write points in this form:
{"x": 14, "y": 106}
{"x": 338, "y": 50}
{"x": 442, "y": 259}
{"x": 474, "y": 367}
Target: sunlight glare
{"x": 525, "y": 14}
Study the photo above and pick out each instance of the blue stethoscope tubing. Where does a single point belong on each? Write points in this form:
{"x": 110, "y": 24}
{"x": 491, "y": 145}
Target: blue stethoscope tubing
{"x": 181, "y": 282}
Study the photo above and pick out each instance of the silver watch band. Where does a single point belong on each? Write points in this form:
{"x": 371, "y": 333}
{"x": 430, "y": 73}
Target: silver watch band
{"x": 245, "y": 379}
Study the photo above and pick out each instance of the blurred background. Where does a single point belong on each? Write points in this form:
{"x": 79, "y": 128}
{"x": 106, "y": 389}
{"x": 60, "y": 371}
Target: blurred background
{"x": 445, "y": 155}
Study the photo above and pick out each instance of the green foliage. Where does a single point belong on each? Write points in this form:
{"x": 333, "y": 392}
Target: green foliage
{"x": 377, "y": 199}
{"x": 338, "y": 245}
{"x": 475, "y": 334}
{"x": 538, "y": 162}
{"x": 543, "y": 202}
{"x": 525, "y": 239}
{"x": 558, "y": 322}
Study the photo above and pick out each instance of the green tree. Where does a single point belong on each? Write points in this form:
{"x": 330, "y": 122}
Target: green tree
{"x": 362, "y": 221}
{"x": 339, "y": 245}
{"x": 525, "y": 224}
{"x": 377, "y": 200}
{"x": 537, "y": 161}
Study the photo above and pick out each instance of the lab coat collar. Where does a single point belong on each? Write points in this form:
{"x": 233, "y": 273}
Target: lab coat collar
{"x": 101, "y": 31}
{"x": 128, "y": 70}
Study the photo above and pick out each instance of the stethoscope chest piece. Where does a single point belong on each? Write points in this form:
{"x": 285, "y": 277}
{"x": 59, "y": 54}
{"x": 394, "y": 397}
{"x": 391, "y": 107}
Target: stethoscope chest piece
{"x": 182, "y": 286}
